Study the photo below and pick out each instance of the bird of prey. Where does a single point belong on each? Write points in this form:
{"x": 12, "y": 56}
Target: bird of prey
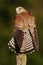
{"x": 25, "y": 32}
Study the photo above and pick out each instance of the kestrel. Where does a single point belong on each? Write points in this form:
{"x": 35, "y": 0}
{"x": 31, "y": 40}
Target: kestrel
{"x": 25, "y": 32}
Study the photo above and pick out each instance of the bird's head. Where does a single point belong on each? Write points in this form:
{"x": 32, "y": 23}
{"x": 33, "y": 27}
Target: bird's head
{"x": 19, "y": 10}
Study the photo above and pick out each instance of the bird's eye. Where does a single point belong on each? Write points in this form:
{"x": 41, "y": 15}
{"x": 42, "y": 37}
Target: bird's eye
{"x": 19, "y": 8}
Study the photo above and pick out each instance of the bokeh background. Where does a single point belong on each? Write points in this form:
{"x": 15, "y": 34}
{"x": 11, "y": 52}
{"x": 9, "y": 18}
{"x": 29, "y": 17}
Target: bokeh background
{"x": 7, "y": 15}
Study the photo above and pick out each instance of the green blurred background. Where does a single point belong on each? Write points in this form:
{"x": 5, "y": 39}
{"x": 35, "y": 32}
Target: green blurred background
{"x": 7, "y": 14}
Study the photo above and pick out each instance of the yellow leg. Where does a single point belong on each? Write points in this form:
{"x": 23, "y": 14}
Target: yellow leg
{"x": 21, "y": 59}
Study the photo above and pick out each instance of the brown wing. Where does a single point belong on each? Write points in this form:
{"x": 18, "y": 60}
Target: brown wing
{"x": 18, "y": 33}
{"x": 35, "y": 39}
{"x": 33, "y": 31}
{"x": 19, "y": 37}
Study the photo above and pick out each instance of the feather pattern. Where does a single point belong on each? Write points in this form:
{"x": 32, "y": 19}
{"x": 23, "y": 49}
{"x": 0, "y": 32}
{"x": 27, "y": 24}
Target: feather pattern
{"x": 27, "y": 44}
